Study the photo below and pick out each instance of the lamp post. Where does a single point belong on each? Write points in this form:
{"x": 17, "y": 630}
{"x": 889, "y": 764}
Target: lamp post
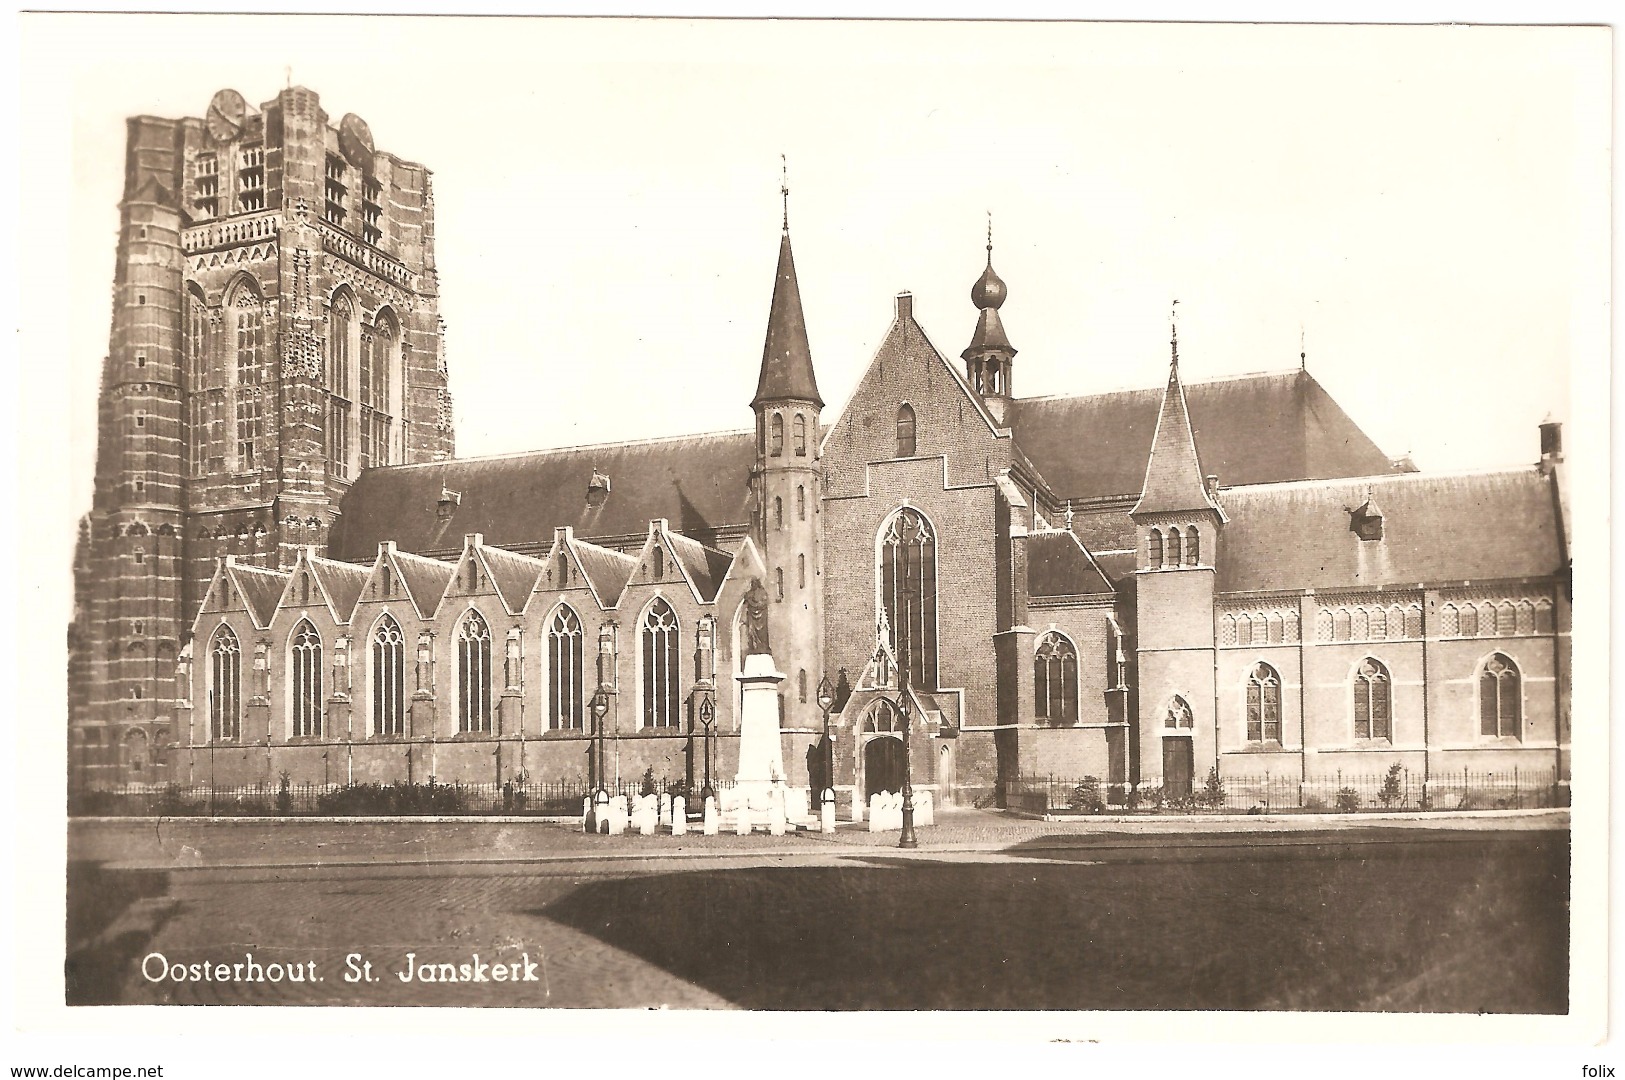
{"x": 600, "y": 706}
{"x": 708, "y": 716}
{"x": 907, "y": 839}
{"x": 826, "y": 699}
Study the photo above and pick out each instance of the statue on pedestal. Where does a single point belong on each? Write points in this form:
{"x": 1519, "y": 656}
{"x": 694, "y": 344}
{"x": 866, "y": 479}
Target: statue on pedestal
{"x": 756, "y": 619}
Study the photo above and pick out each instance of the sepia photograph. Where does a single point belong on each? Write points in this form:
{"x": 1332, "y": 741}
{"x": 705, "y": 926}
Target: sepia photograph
{"x": 997, "y": 523}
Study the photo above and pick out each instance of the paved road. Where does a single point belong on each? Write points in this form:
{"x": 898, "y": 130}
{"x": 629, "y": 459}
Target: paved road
{"x": 991, "y": 913}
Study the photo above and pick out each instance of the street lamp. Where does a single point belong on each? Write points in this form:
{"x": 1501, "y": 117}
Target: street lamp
{"x": 708, "y": 716}
{"x": 907, "y": 839}
{"x": 600, "y": 706}
{"x": 826, "y": 699}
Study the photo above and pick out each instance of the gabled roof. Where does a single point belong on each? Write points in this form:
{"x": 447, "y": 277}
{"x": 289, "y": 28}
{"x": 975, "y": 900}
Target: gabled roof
{"x": 1173, "y": 473}
{"x": 260, "y": 589}
{"x": 787, "y": 368}
{"x": 1058, "y": 565}
{"x": 606, "y": 571}
{"x": 1436, "y": 528}
{"x": 704, "y": 567}
{"x": 701, "y": 483}
{"x": 1252, "y": 429}
{"x": 513, "y": 576}
{"x": 341, "y": 582}
{"x": 425, "y": 580}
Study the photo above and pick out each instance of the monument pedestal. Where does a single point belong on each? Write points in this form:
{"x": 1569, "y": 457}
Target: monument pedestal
{"x": 760, "y": 780}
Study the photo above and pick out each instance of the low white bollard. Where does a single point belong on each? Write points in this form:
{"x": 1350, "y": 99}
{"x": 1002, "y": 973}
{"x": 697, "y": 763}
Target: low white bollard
{"x": 826, "y": 814}
{"x": 775, "y": 818}
{"x": 664, "y": 808}
{"x": 586, "y": 814}
{"x": 679, "y": 816}
{"x": 876, "y": 818}
{"x": 712, "y": 819}
{"x": 742, "y": 820}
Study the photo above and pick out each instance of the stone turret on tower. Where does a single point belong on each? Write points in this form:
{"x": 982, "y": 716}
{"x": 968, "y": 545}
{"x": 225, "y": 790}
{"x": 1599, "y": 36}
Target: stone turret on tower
{"x": 988, "y": 356}
{"x": 787, "y": 481}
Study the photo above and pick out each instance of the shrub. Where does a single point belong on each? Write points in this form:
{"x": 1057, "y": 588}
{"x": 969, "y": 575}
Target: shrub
{"x": 1348, "y": 800}
{"x": 284, "y": 796}
{"x": 1086, "y": 796}
{"x": 1212, "y": 793}
{"x": 1390, "y": 793}
{"x": 649, "y": 786}
{"x": 1314, "y": 803}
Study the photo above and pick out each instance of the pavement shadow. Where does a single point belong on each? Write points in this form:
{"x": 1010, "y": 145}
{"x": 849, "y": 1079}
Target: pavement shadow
{"x": 103, "y": 937}
{"x": 1240, "y": 933}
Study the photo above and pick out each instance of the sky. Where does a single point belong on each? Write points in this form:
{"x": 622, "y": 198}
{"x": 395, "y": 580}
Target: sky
{"x": 1417, "y": 209}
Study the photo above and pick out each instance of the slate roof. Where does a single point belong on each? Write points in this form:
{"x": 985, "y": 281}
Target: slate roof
{"x": 787, "y": 367}
{"x": 425, "y": 579}
{"x": 515, "y": 576}
{"x": 1057, "y": 565}
{"x": 342, "y": 582}
{"x": 1436, "y": 528}
{"x": 699, "y": 483}
{"x": 261, "y": 589}
{"x": 1251, "y": 429}
{"x": 607, "y": 571}
{"x": 706, "y": 567}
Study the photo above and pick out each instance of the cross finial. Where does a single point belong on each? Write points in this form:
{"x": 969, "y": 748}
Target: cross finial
{"x": 784, "y": 189}
{"x": 1069, "y": 515}
{"x": 1173, "y": 320}
{"x": 990, "y": 238}
{"x": 1303, "y": 352}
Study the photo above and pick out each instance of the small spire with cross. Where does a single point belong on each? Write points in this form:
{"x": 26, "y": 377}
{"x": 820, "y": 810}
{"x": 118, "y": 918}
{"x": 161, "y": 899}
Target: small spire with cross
{"x": 990, "y": 238}
{"x": 1173, "y": 341}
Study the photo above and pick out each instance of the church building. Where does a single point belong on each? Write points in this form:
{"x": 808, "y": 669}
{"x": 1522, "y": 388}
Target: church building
{"x": 287, "y": 571}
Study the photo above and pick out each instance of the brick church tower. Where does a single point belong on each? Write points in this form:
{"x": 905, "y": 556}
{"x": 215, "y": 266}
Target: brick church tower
{"x": 787, "y": 485}
{"x": 275, "y": 331}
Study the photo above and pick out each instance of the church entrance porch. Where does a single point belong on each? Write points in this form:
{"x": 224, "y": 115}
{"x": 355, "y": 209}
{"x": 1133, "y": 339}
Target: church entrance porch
{"x": 1177, "y": 766}
{"x": 882, "y": 765}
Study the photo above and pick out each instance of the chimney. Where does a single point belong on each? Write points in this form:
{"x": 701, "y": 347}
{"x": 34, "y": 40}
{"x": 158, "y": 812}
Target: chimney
{"x": 448, "y": 503}
{"x": 905, "y": 306}
{"x": 597, "y": 489}
{"x": 1213, "y": 485}
{"x": 1551, "y": 443}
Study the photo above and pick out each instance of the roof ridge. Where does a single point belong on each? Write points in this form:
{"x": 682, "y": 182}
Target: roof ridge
{"x": 1238, "y": 377}
{"x": 609, "y": 444}
{"x": 1398, "y": 477}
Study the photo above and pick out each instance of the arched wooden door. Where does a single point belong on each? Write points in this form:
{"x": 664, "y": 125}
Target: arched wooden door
{"x": 882, "y": 765}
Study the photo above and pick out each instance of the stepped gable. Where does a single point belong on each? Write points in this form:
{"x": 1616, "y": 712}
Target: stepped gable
{"x": 1252, "y": 429}
{"x": 425, "y": 580}
{"x": 342, "y": 582}
{"x": 260, "y": 589}
{"x": 699, "y": 483}
{"x": 607, "y": 571}
{"x": 1436, "y": 528}
{"x": 1058, "y": 565}
{"x": 705, "y": 567}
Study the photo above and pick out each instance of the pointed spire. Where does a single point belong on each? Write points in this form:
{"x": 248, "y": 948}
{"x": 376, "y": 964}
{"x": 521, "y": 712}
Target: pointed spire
{"x": 1173, "y": 474}
{"x": 787, "y": 368}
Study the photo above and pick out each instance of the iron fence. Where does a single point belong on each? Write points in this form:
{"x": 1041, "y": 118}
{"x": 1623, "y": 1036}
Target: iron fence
{"x": 531, "y": 798}
{"x": 1398, "y": 789}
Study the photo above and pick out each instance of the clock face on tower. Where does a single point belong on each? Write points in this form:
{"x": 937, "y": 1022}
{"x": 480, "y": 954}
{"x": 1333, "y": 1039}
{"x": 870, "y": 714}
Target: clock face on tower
{"x": 226, "y": 112}
{"x": 355, "y": 141}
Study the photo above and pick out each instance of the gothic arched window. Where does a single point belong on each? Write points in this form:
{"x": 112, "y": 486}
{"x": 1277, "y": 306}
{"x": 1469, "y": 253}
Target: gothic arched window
{"x": 1055, "y": 680}
{"x": 306, "y": 681}
{"x": 1500, "y": 698}
{"x": 251, "y": 355}
{"x": 905, "y": 431}
{"x": 1373, "y": 701}
{"x": 1153, "y": 549}
{"x": 908, "y": 593}
{"x": 1263, "y": 704}
{"x": 1176, "y": 554}
{"x": 778, "y": 512}
{"x": 660, "y": 665}
{"x": 388, "y": 678}
{"x": 799, "y": 431}
{"x": 225, "y": 686}
{"x": 801, "y": 504}
{"x": 564, "y": 697}
{"x": 340, "y": 355}
{"x": 1179, "y": 715}
{"x": 197, "y": 371}
{"x": 473, "y": 674}
{"x": 775, "y": 446}
{"x": 377, "y": 391}
{"x": 1193, "y": 547}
